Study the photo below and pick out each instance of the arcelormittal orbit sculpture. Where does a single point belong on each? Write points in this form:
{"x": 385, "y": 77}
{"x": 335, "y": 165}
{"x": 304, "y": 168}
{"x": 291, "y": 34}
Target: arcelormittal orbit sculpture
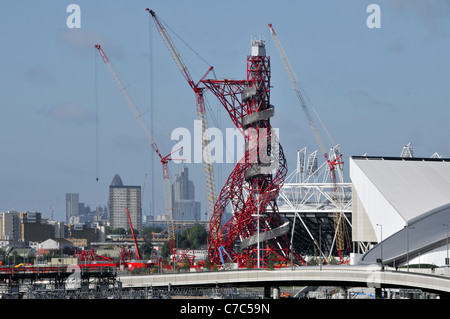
{"x": 256, "y": 234}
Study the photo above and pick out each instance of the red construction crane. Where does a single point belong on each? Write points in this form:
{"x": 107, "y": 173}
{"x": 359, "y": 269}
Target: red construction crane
{"x": 138, "y": 257}
{"x": 164, "y": 159}
{"x": 201, "y": 111}
{"x": 339, "y": 223}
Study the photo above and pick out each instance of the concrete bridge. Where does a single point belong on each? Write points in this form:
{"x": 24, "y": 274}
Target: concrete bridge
{"x": 434, "y": 281}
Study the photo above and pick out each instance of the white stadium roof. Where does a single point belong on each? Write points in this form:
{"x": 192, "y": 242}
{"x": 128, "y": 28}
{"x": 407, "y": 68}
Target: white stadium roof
{"x": 412, "y": 186}
{"x": 392, "y": 192}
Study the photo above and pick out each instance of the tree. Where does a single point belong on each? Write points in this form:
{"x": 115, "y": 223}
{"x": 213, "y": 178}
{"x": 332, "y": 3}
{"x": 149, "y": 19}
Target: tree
{"x": 192, "y": 238}
{"x": 147, "y": 232}
{"x": 147, "y": 249}
{"x": 197, "y": 235}
{"x": 116, "y": 231}
{"x": 165, "y": 250}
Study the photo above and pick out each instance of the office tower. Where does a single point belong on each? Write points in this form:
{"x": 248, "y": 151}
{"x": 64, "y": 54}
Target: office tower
{"x": 10, "y": 226}
{"x": 185, "y": 208}
{"x": 120, "y": 198}
{"x": 72, "y": 206}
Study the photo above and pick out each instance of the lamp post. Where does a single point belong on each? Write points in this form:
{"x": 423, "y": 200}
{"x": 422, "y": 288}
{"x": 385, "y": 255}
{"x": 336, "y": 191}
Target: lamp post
{"x": 258, "y": 252}
{"x": 381, "y": 243}
{"x": 320, "y": 246}
{"x": 446, "y": 260}
{"x": 407, "y": 245}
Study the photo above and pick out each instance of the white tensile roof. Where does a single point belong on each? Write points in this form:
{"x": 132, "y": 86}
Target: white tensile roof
{"x": 412, "y": 186}
{"x": 395, "y": 192}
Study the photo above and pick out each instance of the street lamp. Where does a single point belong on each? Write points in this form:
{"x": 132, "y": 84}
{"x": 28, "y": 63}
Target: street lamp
{"x": 320, "y": 246}
{"x": 381, "y": 243}
{"x": 446, "y": 260}
{"x": 258, "y": 253}
{"x": 407, "y": 244}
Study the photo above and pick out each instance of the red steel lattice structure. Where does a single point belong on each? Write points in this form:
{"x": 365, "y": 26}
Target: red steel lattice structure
{"x": 253, "y": 186}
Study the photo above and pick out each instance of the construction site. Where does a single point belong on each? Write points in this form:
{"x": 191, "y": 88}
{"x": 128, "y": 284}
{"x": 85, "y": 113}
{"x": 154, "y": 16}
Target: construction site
{"x": 279, "y": 218}
{"x": 257, "y": 233}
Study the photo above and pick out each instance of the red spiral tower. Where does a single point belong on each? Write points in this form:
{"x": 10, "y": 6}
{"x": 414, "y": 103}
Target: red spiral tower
{"x": 256, "y": 234}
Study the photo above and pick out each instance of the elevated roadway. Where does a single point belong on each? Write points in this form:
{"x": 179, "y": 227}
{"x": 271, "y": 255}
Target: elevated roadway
{"x": 437, "y": 281}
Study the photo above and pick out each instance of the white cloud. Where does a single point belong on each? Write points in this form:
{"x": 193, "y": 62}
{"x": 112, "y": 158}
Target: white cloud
{"x": 127, "y": 143}
{"x": 83, "y": 41}
{"x": 70, "y": 113}
{"x": 40, "y": 74}
{"x": 364, "y": 98}
{"x": 433, "y": 15}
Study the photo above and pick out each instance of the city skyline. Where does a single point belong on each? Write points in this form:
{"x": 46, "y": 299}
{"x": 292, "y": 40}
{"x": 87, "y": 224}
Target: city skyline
{"x": 66, "y": 128}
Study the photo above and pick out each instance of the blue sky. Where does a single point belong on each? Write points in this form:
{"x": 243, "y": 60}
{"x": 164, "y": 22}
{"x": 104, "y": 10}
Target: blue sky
{"x": 375, "y": 89}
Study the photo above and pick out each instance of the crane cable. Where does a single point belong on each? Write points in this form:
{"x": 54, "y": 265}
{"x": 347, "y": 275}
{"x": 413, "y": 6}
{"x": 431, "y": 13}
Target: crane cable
{"x": 96, "y": 116}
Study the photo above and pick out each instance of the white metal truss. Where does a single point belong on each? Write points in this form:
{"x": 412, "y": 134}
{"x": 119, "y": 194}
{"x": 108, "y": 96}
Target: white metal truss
{"x": 407, "y": 151}
{"x": 436, "y": 155}
{"x": 308, "y": 192}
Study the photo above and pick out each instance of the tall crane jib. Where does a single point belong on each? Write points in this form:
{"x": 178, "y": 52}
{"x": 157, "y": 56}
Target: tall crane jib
{"x": 164, "y": 159}
{"x": 333, "y": 162}
{"x": 201, "y": 111}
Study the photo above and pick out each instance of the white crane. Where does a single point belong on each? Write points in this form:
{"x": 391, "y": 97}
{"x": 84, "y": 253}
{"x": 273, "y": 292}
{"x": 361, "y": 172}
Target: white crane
{"x": 201, "y": 112}
{"x": 333, "y": 161}
{"x": 164, "y": 159}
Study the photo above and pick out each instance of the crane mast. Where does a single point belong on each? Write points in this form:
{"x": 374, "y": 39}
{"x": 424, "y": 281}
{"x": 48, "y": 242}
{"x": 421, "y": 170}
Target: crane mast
{"x": 134, "y": 237}
{"x": 201, "y": 111}
{"x": 338, "y": 222}
{"x": 164, "y": 160}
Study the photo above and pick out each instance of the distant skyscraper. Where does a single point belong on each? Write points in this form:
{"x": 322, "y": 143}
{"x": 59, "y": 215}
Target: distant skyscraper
{"x": 72, "y": 206}
{"x": 120, "y": 198}
{"x": 183, "y": 198}
{"x": 10, "y": 226}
